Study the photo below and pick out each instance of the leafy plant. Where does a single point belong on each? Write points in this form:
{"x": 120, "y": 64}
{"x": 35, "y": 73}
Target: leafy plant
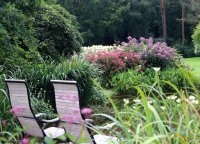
{"x": 76, "y": 68}
{"x": 114, "y": 61}
{"x": 196, "y": 38}
{"x": 124, "y": 82}
{"x": 158, "y": 119}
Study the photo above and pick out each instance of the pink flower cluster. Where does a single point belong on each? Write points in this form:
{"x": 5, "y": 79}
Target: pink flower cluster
{"x": 25, "y": 141}
{"x": 17, "y": 109}
{"x": 135, "y": 52}
{"x": 76, "y": 117}
{"x": 152, "y": 54}
{"x": 71, "y": 118}
{"x": 86, "y": 111}
{"x": 114, "y": 61}
{"x": 149, "y": 49}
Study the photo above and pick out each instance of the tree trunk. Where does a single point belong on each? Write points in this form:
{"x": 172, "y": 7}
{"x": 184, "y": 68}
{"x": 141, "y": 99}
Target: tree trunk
{"x": 192, "y": 3}
{"x": 163, "y": 14}
{"x": 183, "y": 23}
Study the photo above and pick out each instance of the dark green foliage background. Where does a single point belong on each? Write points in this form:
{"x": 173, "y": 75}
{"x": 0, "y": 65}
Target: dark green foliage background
{"x": 31, "y": 31}
{"x": 107, "y": 21}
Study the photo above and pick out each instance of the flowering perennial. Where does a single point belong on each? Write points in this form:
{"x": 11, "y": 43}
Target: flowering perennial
{"x": 17, "y": 109}
{"x": 115, "y": 61}
{"x": 154, "y": 54}
{"x": 135, "y": 52}
{"x": 86, "y": 111}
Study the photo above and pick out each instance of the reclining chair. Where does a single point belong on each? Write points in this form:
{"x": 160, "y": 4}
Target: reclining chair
{"x": 67, "y": 103}
{"x": 20, "y": 102}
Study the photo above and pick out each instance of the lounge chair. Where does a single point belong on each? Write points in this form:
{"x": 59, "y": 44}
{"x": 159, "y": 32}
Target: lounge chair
{"x": 20, "y": 102}
{"x": 67, "y": 103}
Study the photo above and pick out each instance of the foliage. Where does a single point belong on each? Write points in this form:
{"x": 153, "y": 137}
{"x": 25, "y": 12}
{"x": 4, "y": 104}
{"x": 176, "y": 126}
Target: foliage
{"x": 31, "y": 28}
{"x": 75, "y": 68}
{"x": 196, "y": 38}
{"x": 94, "y": 49}
{"x": 40, "y": 105}
{"x": 100, "y": 21}
{"x": 83, "y": 72}
{"x": 8, "y": 123}
{"x": 187, "y": 50}
{"x": 124, "y": 82}
{"x": 56, "y": 30}
{"x": 114, "y": 61}
{"x": 158, "y": 119}
{"x": 18, "y": 45}
{"x": 120, "y": 58}
{"x": 107, "y": 21}
{"x": 153, "y": 118}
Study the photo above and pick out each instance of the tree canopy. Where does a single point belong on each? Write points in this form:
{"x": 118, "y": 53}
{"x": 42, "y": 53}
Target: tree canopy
{"x": 104, "y": 21}
{"x": 31, "y": 30}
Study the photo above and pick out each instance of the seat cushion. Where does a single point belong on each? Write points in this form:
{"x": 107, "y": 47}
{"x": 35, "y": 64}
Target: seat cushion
{"x": 103, "y": 139}
{"x": 54, "y": 132}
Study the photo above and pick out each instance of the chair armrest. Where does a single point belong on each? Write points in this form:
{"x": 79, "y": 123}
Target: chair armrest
{"x": 40, "y": 114}
{"x": 44, "y": 120}
{"x": 49, "y": 121}
{"x": 89, "y": 120}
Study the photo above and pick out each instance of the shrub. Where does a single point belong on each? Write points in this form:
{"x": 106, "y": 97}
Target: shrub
{"x": 127, "y": 55}
{"x": 95, "y": 49}
{"x": 115, "y": 61}
{"x": 29, "y": 29}
{"x": 75, "y": 68}
{"x": 56, "y": 29}
{"x": 196, "y": 38}
{"x": 187, "y": 50}
{"x": 153, "y": 54}
{"x": 7, "y": 121}
{"x": 17, "y": 41}
{"x": 148, "y": 119}
{"x": 123, "y": 82}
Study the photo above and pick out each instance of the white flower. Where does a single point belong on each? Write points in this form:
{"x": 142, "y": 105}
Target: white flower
{"x": 125, "y": 58}
{"x": 150, "y": 102}
{"x": 134, "y": 107}
{"x": 192, "y": 97}
{"x": 126, "y": 101}
{"x": 137, "y": 101}
{"x": 107, "y": 127}
{"x": 172, "y": 97}
{"x": 195, "y": 101}
{"x": 162, "y": 107}
{"x": 178, "y": 100}
{"x": 156, "y": 69}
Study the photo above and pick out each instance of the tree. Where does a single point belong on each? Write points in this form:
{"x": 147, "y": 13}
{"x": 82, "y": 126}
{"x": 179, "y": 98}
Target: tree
{"x": 39, "y": 26}
{"x": 196, "y": 38}
{"x": 183, "y": 22}
{"x": 57, "y": 31}
{"x": 17, "y": 41}
{"x": 163, "y": 14}
{"x": 101, "y": 22}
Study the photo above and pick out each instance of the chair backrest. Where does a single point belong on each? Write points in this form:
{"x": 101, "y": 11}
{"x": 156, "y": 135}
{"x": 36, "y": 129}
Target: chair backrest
{"x": 67, "y": 103}
{"x": 20, "y": 102}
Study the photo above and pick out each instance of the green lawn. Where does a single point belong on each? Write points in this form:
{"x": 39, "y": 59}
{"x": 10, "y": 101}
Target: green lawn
{"x": 194, "y": 63}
